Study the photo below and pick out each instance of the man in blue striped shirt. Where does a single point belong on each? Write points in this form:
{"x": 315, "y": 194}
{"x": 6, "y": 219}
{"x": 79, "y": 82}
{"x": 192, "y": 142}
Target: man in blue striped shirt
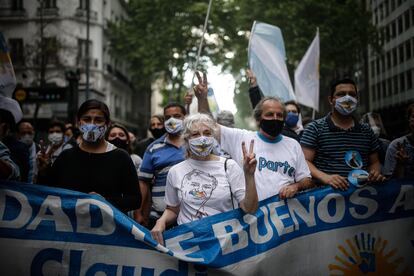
{"x": 328, "y": 141}
{"x": 159, "y": 157}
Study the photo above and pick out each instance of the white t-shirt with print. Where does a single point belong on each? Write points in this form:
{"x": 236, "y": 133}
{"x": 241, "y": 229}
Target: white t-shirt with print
{"x": 202, "y": 189}
{"x": 279, "y": 163}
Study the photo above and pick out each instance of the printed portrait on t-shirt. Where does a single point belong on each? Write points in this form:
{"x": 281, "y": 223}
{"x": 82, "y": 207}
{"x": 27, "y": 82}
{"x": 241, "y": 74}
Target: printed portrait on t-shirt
{"x": 353, "y": 159}
{"x": 198, "y": 186}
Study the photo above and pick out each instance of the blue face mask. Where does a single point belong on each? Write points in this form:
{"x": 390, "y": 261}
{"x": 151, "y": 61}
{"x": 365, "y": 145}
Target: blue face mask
{"x": 346, "y": 105}
{"x": 173, "y": 125}
{"x": 92, "y": 133}
{"x": 291, "y": 119}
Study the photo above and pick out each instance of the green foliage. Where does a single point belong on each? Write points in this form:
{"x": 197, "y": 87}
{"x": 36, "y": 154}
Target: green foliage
{"x": 161, "y": 37}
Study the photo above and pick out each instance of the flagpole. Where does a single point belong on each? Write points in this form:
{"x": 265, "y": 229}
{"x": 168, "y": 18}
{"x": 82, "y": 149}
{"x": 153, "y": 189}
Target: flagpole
{"x": 313, "y": 113}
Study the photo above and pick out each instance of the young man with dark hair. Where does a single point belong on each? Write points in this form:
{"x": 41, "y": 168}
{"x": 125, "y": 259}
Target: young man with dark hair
{"x": 159, "y": 157}
{"x": 326, "y": 142}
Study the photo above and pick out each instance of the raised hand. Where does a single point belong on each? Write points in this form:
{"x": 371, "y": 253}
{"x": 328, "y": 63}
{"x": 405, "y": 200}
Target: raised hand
{"x": 251, "y": 77}
{"x": 249, "y": 158}
{"x": 401, "y": 155}
{"x": 201, "y": 89}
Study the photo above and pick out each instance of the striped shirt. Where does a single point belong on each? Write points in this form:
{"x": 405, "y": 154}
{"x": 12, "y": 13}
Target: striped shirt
{"x": 159, "y": 157}
{"x": 331, "y": 143}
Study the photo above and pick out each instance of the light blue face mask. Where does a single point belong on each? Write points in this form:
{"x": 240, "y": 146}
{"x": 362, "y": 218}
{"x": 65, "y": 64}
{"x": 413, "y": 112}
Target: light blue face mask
{"x": 92, "y": 133}
{"x": 173, "y": 125}
{"x": 201, "y": 146}
{"x": 346, "y": 105}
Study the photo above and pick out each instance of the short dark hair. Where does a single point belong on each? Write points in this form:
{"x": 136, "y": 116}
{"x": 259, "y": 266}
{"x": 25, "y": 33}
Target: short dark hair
{"x": 94, "y": 104}
{"x": 7, "y": 117}
{"x": 57, "y": 123}
{"x": 337, "y": 82}
{"x": 410, "y": 110}
{"x": 174, "y": 104}
{"x": 293, "y": 103}
{"x": 258, "y": 110}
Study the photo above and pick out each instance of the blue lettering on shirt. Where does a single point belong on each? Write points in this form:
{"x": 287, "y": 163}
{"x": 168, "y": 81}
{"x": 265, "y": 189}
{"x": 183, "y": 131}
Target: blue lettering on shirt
{"x": 285, "y": 167}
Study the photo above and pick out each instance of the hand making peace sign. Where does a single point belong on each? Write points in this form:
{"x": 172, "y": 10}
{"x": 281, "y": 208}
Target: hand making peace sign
{"x": 249, "y": 158}
{"x": 201, "y": 89}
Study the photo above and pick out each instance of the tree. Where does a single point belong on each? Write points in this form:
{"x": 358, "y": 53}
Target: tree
{"x": 160, "y": 39}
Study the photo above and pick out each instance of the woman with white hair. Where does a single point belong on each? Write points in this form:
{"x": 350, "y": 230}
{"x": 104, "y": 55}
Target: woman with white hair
{"x": 206, "y": 184}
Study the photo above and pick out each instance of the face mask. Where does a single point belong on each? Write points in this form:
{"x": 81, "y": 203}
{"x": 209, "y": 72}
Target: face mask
{"x": 291, "y": 119}
{"x": 376, "y": 130}
{"x": 271, "y": 127}
{"x": 55, "y": 138}
{"x": 27, "y": 139}
{"x": 119, "y": 143}
{"x": 201, "y": 146}
{"x": 92, "y": 133}
{"x": 157, "y": 132}
{"x": 173, "y": 125}
{"x": 346, "y": 105}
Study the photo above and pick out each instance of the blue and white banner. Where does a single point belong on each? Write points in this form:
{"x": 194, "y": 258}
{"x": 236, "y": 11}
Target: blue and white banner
{"x": 50, "y": 231}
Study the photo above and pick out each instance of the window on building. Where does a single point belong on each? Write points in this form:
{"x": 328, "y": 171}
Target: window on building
{"x": 401, "y": 53}
{"x": 402, "y": 82}
{"x": 407, "y": 20}
{"x": 49, "y": 4}
{"x": 377, "y": 65}
{"x": 409, "y": 79}
{"x": 392, "y": 5}
{"x": 387, "y": 34}
{"x": 383, "y": 65}
{"x": 389, "y": 65}
{"x": 17, "y": 5}
{"x": 384, "y": 89}
{"x": 374, "y": 93}
{"x": 399, "y": 3}
{"x": 16, "y": 50}
{"x": 372, "y": 68}
{"x": 395, "y": 81}
{"x": 82, "y": 44}
{"x": 408, "y": 49}
{"x": 378, "y": 91}
{"x": 400, "y": 24}
{"x": 389, "y": 87}
{"x": 392, "y": 29}
{"x": 51, "y": 50}
{"x": 394, "y": 57}
{"x": 387, "y": 11}
{"x": 83, "y": 4}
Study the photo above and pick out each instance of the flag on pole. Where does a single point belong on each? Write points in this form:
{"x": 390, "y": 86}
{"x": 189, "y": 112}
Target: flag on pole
{"x": 307, "y": 76}
{"x": 267, "y": 61}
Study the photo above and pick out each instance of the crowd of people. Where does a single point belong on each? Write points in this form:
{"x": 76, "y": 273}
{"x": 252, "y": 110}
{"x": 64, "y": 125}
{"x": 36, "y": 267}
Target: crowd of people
{"x": 194, "y": 165}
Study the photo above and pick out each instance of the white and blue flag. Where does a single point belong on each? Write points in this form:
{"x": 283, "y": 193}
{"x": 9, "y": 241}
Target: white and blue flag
{"x": 267, "y": 58}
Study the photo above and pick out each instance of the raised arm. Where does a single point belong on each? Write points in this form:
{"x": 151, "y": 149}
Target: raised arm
{"x": 201, "y": 91}
{"x": 250, "y": 202}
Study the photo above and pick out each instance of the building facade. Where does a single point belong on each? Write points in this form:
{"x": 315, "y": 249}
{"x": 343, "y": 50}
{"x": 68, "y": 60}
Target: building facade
{"x": 54, "y": 33}
{"x": 391, "y": 87}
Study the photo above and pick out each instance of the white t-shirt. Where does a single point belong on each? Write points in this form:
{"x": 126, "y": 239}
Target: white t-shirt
{"x": 202, "y": 188}
{"x": 279, "y": 163}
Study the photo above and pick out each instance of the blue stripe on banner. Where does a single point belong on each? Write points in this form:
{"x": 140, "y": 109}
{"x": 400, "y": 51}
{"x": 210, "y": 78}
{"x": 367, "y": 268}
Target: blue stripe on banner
{"x": 32, "y": 212}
